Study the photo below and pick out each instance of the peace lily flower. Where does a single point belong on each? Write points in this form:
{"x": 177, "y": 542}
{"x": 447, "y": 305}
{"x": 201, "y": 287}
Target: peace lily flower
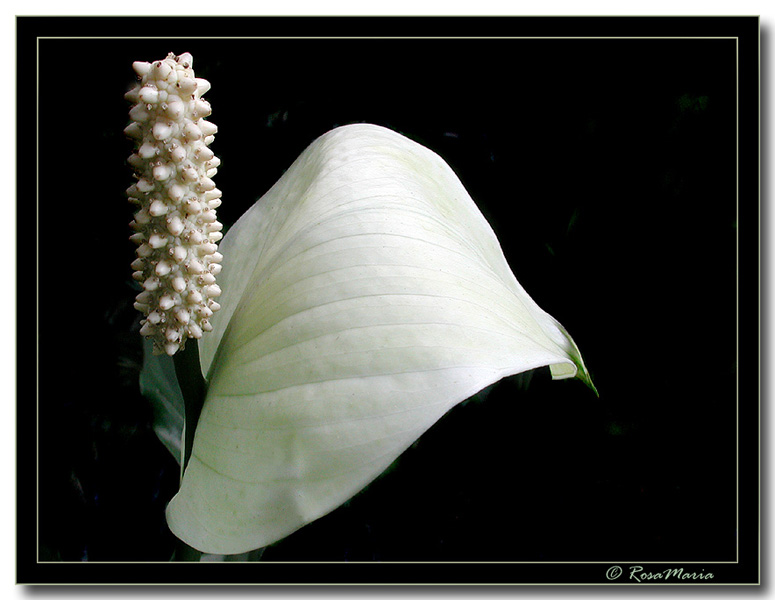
{"x": 176, "y": 225}
{"x": 363, "y": 296}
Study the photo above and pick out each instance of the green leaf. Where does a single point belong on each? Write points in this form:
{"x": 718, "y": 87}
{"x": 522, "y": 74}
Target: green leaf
{"x": 363, "y": 297}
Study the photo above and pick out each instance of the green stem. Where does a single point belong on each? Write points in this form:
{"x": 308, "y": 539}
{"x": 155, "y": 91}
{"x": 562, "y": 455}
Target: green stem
{"x": 194, "y": 388}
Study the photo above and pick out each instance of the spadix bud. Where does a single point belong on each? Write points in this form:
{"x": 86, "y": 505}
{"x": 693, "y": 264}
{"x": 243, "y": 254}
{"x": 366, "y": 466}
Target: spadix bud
{"x": 177, "y": 254}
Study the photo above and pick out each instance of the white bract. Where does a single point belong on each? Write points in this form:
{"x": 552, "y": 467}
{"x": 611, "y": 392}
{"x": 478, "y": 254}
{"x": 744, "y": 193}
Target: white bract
{"x": 363, "y": 296}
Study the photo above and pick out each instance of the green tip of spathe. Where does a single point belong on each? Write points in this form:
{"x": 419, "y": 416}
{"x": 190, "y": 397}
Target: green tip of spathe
{"x": 581, "y": 370}
{"x": 585, "y": 377}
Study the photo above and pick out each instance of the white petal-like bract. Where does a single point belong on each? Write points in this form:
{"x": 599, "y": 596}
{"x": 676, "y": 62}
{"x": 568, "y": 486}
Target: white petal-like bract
{"x": 363, "y": 296}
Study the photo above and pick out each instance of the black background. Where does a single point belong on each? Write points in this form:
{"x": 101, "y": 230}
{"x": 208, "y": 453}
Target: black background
{"x": 608, "y": 170}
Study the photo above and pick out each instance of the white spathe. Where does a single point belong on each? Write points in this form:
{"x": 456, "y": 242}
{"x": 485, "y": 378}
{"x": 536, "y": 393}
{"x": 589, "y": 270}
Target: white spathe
{"x": 363, "y": 296}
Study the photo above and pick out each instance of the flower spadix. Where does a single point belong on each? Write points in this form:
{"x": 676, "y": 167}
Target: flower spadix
{"x": 366, "y": 295}
{"x": 176, "y": 229}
